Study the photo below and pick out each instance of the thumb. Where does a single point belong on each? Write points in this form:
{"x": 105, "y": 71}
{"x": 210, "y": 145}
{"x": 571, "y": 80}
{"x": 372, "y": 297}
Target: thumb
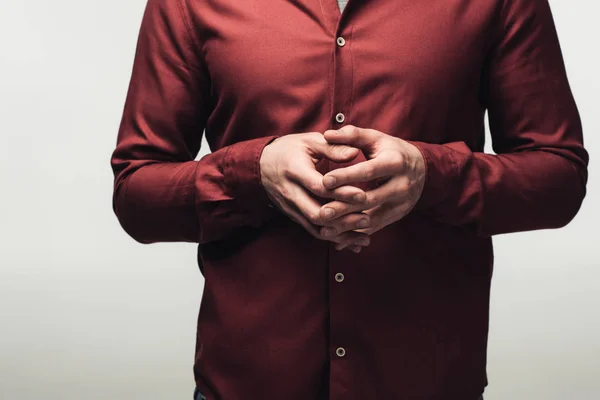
{"x": 353, "y": 136}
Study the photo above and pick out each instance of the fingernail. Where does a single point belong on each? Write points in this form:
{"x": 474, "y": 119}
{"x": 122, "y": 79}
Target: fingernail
{"x": 329, "y": 181}
{"x": 346, "y": 151}
{"x": 359, "y": 198}
{"x": 328, "y": 213}
{"x": 356, "y": 249}
{"x": 363, "y": 223}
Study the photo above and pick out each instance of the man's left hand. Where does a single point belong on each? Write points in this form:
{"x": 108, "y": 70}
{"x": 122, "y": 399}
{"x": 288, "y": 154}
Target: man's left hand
{"x": 395, "y": 164}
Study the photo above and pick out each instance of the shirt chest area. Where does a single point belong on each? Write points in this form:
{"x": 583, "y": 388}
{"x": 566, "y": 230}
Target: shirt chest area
{"x": 293, "y": 51}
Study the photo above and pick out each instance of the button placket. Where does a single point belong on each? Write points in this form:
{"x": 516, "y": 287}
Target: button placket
{"x": 343, "y": 74}
{"x": 340, "y": 288}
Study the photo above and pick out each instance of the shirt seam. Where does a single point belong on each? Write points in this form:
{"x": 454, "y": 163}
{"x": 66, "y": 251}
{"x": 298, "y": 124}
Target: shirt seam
{"x": 192, "y": 39}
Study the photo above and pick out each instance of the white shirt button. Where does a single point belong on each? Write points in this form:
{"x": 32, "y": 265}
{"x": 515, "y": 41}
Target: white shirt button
{"x": 340, "y": 352}
{"x": 340, "y": 41}
{"x": 339, "y": 277}
{"x": 340, "y": 117}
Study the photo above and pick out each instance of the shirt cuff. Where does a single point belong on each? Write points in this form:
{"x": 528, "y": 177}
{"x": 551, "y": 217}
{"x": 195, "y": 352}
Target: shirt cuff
{"x": 440, "y": 173}
{"x": 242, "y": 169}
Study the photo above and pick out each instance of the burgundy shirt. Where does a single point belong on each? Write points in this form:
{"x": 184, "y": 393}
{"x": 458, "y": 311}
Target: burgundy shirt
{"x": 284, "y": 315}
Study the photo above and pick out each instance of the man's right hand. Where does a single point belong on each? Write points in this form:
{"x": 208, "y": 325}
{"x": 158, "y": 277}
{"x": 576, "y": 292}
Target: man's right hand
{"x": 289, "y": 175}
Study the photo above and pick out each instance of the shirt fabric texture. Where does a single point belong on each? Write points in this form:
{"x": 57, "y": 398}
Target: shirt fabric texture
{"x": 410, "y": 318}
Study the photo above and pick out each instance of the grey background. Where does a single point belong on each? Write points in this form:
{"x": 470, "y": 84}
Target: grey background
{"x": 87, "y": 313}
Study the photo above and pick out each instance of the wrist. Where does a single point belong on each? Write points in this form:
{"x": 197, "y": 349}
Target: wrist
{"x": 244, "y": 175}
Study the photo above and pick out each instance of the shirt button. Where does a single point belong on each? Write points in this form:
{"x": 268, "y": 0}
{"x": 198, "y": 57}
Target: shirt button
{"x": 340, "y": 117}
{"x": 340, "y": 41}
{"x": 339, "y": 277}
{"x": 340, "y": 352}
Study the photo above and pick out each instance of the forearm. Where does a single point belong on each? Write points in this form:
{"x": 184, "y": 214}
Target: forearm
{"x": 192, "y": 201}
{"x": 494, "y": 194}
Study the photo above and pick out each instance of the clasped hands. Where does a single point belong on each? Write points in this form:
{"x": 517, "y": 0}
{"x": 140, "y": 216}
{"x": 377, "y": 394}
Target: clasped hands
{"x": 350, "y": 215}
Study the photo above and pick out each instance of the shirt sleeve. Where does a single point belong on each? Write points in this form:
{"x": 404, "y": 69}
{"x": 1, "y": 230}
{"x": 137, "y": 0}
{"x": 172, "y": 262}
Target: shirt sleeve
{"x": 161, "y": 194}
{"x": 537, "y": 178}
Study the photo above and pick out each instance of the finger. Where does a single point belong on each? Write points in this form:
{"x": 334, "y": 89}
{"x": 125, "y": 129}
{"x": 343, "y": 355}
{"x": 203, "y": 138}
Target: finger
{"x": 345, "y": 223}
{"x": 312, "y": 180}
{"x": 353, "y": 136}
{"x": 349, "y": 194}
{"x": 297, "y": 216}
{"x": 339, "y": 153}
{"x": 305, "y": 203}
{"x": 335, "y": 152}
{"x": 385, "y": 214}
{"x": 361, "y": 172}
{"x": 374, "y": 197}
{"x": 305, "y": 210}
{"x": 355, "y": 249}
{"x": 336, "y": 209}
{"x": 351, "y": 238}
{"x": 340, "y": 247}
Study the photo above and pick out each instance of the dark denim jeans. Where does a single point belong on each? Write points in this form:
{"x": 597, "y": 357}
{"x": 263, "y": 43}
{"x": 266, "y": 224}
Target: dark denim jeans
{"x": 199, "y": 396}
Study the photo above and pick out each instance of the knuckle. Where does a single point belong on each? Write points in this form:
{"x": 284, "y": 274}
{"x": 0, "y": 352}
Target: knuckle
{"x": 395, "y": 158}
{"x": 284, "y": 193}
{"x": 372, "y": 199}
{"x": 290, "y": 169}
{"x": 345, "y": 225}
{"x": 314, "y": 187}
{"x": 309, "y": 138}
{"x": 350, "y": 223}
{"x": 404, "y": 187}
{"x": 401, "y": 161}
{"x": 342, "y": 208}
{"x": 404, "y": 180}
{"x": 318, "y": 138}
{"x": 350, "y": 128}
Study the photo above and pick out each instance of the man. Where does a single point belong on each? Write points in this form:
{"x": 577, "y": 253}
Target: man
{"x": 345, "y": 214}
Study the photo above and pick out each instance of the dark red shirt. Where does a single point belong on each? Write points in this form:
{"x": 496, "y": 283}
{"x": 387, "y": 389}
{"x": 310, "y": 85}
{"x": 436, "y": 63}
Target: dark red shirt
{"x": 408, "y": 319}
